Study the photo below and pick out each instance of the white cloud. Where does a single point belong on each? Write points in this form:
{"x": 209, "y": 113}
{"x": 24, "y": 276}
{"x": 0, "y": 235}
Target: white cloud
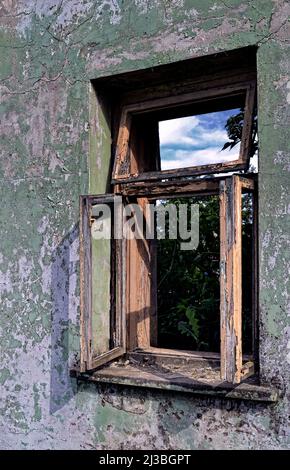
{"x": 218, "y": 136}
{"x": 192, "y": 141}
{"x": 187, "y": 158}
{"x": 177, "y": 131}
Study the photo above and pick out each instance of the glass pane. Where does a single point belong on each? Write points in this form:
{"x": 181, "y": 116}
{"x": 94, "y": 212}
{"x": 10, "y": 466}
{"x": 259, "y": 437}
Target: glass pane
{"x": 101, "y": 273}
{"x": 201, "y": 139}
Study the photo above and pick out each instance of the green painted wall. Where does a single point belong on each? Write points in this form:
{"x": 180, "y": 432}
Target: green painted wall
{"x": 53, "y": 148}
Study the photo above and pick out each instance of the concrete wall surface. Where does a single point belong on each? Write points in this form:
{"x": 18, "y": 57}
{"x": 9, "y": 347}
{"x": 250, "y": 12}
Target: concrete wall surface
{"x": 49, "y": 52}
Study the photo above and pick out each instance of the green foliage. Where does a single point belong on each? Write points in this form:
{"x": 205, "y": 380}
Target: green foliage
{"x": 234, "y": 128}
{"x": 188, "y": 282}
{"x": 190, "y": 328}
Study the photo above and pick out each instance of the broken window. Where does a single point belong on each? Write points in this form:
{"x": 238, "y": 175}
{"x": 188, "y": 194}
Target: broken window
{"x": 169, "y": 258}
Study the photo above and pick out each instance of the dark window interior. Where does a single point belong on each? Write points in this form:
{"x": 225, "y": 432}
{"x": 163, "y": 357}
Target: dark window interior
{"x": 188, "y": 284}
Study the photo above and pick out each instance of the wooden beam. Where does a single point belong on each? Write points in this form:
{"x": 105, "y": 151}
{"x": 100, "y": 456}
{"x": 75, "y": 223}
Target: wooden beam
{"x": 202, "y": 186}
{"x": 255, "y": 283}
{"x": 231, "y": 279}
{"x": 247, "y": 183}
{"x": 182, "y": 172}
{"x": 85, "y": 283}
{"x": 210, "y": 91}
{"x": 122, "y": 160}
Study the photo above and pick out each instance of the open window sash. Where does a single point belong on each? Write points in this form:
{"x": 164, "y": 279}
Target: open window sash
{"x": 137, "y": 157}
{"x": 102, "y": 271}
{"x": 231, "y": 189}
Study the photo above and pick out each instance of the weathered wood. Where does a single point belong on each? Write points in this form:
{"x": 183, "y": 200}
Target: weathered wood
{"x": 191, "y": 74}
{"x": 118, "y": 289}
{"x": 124, "y": 172}
{"x": 98, "y": 346}
{"x": 167, "y": 188}
{"x": 139, "y": 297}
{"x": 208, "y": 92}
{"x": 231, "y": 279}
{"x": 193, "y": 382}
{"x": 247, "y": 183}
{"x": 85, "y": 283}
{"x": 196, "y": 186}
{"x": 121, "y": 160}
{"x": 255, "y": 282}
{"x": 196, "y": 359}
{"x": 178, "y": 86}
{"x": 246, "y": 141}
{"x": 181, "y": 172}
{"x": 248, "y": 369}
{"x": 153, "y": 293}
{"x": 155, "y": 355}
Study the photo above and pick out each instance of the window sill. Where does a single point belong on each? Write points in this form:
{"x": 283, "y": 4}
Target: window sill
{"x": 202, "y": 381}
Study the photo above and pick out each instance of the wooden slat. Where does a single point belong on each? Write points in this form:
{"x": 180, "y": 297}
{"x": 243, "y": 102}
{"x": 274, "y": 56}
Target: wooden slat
{"x": 153, "y": 293}
{"x": 149, "y": 377}
{"x": 247, "y": 370}
{"x": 85, "y": 282}
{"x": 139, "y": 301}
{"x": 182, "y": 172}
{"x": 255, "y": 282}
{"x": 176, "y": 86}
{"x": 121, "y": 162}
{"x": 205, "y": 186}
{"x": 246, "y": 141}
{"x": 247, "y": 183}
{"x": 184, "y": 354}
{"x": 231, "y": 279}
{"x": 106, "y": 357}
{"x": 212, "y": 92}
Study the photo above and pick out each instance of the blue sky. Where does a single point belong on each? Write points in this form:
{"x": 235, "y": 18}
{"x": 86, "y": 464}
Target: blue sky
{"x": 195, "y": 140}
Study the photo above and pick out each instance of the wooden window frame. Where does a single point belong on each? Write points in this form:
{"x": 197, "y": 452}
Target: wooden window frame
{"x": 136, "y": 175}
{"x": 122, "y": 158}
{"x": 88, "y": 359}
{"x": 137, "y": 316}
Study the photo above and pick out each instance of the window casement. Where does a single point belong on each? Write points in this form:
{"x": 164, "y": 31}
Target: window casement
{"x": 128, "y": 321}
{"x": 137, "y": 155}
{"x": 103, "y": 334}
{"x": 119, "y": 281}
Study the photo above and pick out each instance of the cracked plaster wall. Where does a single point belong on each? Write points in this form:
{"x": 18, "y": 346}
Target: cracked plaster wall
{"x": 48, "y": 52}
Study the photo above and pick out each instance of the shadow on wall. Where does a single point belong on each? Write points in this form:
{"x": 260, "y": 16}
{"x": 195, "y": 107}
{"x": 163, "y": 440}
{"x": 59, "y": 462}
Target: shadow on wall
{"x": 65, "y": 301}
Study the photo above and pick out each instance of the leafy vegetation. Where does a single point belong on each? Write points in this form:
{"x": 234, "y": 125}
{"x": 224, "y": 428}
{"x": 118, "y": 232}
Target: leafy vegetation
{"x": 234, "y": 128}
{"x": 188, "y": 281}
{"x": 188, "y": 284}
